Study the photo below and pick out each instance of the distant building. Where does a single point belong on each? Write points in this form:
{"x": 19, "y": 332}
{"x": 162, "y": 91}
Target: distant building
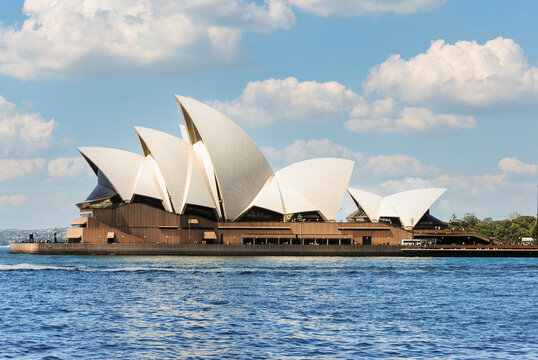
{"x": 513, "y": 215}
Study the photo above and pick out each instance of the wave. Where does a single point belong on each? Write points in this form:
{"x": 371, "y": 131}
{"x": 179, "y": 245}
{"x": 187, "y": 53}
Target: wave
{"x": 32, "y": 267}
{"x": 129, "y": 269}
{"x": 36, "y": 267}
{"x": 4, "y": 246}
{"x": 137, "y": 269}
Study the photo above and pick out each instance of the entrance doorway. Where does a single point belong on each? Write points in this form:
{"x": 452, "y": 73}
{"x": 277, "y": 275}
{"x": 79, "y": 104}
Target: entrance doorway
{"x": 367, "y": 240}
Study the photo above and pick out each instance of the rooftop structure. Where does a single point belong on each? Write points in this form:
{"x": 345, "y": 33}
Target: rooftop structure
{"x": 214, "y": 185}
{"x": 408, "y": 207}
{"x": 216, "y": 169}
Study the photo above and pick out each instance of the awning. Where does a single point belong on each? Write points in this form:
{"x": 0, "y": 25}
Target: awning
{"x": 242, "y": 227}
{"x": 210, "y": 235}
{"x": 74, "y": 233}
{"x": 267, "y": 236}
{"x": 327, "y": 236}
{"x": 110, "y": 235}
{"x": 80, "y": 221}
{"x": 292, "y": 236}
{"x": 365, "y": 228}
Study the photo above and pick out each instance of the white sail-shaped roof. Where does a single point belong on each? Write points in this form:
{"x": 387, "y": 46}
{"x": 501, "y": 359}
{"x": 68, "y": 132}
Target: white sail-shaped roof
{"x": 198, "y": 192}
{"x": 218, "y": 166}
{"x": 412, "y": 205}
{"x": 240, "y": 167}
{"x": 179, "y": 167}
{"x": 293, "y": 200}
{"x": 146, "y": 183}
{"x": 408, "y": 206}
{"x": 387, "y": 210}
{"x": 269, "y": 197}
{"x": 369, "y": 202}
{"x": 201, "y": 154}
{"x": 322, "y": 181}
{"x": 118, "y": 166}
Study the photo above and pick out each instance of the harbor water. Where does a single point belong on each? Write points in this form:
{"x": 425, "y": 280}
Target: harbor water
{"x": 159, "y": 307}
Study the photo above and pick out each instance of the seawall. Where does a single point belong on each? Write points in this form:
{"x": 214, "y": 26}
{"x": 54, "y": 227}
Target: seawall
{"x": 263, "y": 250}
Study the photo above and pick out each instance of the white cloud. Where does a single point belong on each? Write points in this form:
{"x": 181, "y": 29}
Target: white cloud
{"x": 466, "y": 73}
{"x": 397, "y": 164}
{"x": 487, "y": 182}
{"x": 272, "y": 154}
{"x": 87, "y": 38}
{"x": 381, "y": 165}
{"x": 359, "y": 7}
{"x": 470, "y": 185}
{"x": 14, "y": 200}
{"x": 20, "y": 168}
{"x": 515, "y": 166}
{"x": 289, "y": 100}
{"x": 454, "y": 182}
{"x": 302, "y": 150}
{"x": 21, "y": 132}
{"x": 66, "y": 167}
{"x": 407, "y": 183}
{"x": 387, "y": 116}
{"x": 266, "y": 102}
{"x": 474, "y": 185}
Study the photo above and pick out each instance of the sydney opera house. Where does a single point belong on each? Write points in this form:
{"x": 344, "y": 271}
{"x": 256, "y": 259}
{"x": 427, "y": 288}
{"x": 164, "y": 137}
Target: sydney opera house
{"x": 214, "y": 185}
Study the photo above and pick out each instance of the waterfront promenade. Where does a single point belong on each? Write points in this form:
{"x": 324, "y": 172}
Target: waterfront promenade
{"x": 273, "y": 250}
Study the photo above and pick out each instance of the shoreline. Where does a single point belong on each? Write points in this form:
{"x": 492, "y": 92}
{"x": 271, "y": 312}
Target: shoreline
{"x": 268, "y": 250}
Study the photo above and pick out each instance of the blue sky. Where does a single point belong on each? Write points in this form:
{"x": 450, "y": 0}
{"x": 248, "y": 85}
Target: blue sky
{"x": 418, "y": 92}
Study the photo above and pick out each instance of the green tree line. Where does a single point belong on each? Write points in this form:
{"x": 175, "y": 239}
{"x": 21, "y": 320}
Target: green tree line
{"x": 506, "y": 230}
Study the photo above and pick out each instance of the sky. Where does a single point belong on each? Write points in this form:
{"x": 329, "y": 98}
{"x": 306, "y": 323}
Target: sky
{"x": 419, "y": 93}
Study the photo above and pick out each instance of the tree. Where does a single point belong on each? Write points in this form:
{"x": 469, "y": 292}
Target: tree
{"x": 453, "y": 219}
{"x": 470, "y": 221}
{"x": 505, "y": 230}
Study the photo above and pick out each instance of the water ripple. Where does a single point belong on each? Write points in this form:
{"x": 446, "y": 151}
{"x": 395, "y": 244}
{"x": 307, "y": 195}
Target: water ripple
{"x": 64, "y": 307}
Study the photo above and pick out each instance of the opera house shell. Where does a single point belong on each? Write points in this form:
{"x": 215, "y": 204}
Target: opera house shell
{"x": 408, "y": 208}
{"x": 214, "y": 185}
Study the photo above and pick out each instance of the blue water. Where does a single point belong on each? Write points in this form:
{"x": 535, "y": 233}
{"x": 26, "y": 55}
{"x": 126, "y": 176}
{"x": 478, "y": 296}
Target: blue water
{"x": 115, "y": 307}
